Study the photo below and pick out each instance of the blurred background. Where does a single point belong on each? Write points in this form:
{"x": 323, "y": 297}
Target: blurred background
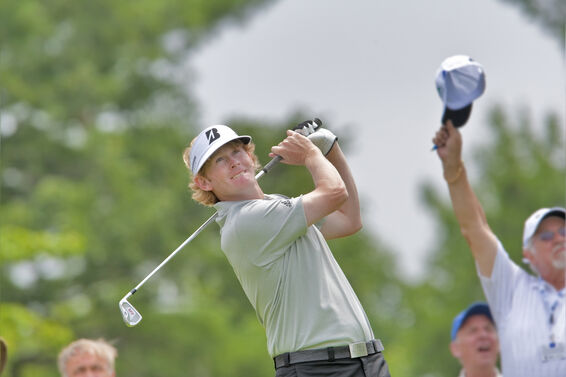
{"x": 98, "y": 100}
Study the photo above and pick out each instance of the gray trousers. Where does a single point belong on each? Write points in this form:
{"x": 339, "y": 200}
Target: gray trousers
{"x": 367, "y": 366}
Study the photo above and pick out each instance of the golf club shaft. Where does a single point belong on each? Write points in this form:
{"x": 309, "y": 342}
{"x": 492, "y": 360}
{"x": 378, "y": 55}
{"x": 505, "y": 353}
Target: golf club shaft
{"x": 266, "y": 169}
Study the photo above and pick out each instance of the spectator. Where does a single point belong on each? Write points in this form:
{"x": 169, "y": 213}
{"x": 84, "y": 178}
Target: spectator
{"x": 474, "y": 342}
{"x": 530, "y": 311}
{"x": 86, "y": 357}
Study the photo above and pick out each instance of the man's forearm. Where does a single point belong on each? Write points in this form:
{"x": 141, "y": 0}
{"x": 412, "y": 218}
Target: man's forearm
{"x": 350, "y": 208}
{"x": 472, "y": 220}
{"x": 324, "y": 174}
{"x": 466, "y": 206}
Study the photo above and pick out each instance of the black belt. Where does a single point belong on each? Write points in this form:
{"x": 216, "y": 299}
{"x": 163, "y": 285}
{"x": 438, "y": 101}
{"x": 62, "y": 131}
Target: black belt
{"x": 350, "y": 351}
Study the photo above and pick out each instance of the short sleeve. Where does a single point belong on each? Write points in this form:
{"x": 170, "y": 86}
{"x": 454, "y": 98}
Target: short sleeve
{"x": 499, "y": 287}
{"x": 265, "y": 229}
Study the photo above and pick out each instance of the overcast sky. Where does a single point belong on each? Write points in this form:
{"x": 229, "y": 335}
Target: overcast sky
{"x": 367, "y": 67}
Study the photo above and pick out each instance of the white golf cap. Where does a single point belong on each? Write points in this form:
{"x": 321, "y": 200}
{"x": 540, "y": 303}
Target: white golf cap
{"x": 534, "y": 220}
{"x": 209, "y": 141}
{"x": 459, "y": 81}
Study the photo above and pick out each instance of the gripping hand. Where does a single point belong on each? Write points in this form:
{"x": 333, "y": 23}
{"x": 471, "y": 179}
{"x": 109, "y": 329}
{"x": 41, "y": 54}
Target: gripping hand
{"x": 321, "y": 137}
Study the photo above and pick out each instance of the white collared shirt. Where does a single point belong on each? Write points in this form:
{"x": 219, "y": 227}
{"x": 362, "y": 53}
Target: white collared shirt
{"x": 519, "y": 303}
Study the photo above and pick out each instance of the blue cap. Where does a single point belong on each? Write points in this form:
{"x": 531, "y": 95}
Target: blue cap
{"x": 477, "y": 308}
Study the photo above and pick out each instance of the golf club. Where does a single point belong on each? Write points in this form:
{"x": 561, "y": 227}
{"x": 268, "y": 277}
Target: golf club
{"x": 129, "y": 313}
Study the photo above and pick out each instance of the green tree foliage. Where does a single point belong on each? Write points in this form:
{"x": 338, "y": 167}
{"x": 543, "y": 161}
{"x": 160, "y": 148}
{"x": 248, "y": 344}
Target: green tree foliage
{"x": 550, "y": 14}
{"x": 102, "y": 216}
{"x": 90, "y": 206}
{"x": 94, "y": 117}
{"x": 70, "y": 63}
{"x": 93, "y": 123}
{"x": 518, "y": 170}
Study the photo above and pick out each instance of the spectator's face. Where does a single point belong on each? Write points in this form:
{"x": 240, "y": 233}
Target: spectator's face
{"x": 476, "y": 343}
{"x": 87, "y": 365}
{"x": 549, "y": 245}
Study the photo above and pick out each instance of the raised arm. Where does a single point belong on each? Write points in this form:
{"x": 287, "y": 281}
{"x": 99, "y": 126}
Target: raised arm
{"x": 466, "y": 206}
{"x": 347, "y": 219}
{"x": 331, "y": 191}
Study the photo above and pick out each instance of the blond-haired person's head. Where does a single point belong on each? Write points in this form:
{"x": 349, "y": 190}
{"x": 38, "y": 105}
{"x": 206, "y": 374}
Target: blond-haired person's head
{"x": 201, "y": 151}
{"x": 87, "y": 357}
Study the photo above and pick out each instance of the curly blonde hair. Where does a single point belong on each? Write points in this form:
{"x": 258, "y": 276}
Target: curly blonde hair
{"x": 208, "y": 198}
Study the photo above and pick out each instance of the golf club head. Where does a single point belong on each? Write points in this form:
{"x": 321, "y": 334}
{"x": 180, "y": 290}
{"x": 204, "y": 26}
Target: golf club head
{"x": 129, "y": 314}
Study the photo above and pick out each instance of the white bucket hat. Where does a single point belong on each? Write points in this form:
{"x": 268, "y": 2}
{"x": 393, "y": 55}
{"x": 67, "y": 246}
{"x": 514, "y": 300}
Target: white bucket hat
{"x": 209, "y": 141}
{"x": 534, "y": 220}
{"x": 459, "y": 81}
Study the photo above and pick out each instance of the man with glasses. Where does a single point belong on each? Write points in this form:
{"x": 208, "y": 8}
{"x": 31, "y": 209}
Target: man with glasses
{"x": 530, "y": 311}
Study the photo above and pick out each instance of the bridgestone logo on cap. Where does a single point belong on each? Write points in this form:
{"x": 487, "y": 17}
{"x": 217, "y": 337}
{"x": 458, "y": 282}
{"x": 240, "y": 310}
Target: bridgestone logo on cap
{"x": 212, "y": 135}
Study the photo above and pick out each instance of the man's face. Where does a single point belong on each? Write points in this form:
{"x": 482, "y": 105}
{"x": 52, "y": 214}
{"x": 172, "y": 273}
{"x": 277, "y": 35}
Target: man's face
{"x": 549, "y": 246}
{"x": 87, "y": 365}
{"x": 229, "y": 173}
{"x": 476, "y": 343}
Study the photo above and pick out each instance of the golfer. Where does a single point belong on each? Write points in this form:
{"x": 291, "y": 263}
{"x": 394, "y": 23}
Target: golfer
{"x": 314, "y": 322}
{"x": 529, "y": 310}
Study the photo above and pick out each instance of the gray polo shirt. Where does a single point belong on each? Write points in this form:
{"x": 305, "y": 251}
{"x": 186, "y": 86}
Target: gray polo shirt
{"x": 300, "y": 294}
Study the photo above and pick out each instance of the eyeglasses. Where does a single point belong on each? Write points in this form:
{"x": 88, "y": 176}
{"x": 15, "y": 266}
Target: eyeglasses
{"x": 549, "y": 234}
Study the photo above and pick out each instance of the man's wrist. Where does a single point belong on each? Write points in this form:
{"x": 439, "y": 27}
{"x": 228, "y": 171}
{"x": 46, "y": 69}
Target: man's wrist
{"x": 451, "y": 175}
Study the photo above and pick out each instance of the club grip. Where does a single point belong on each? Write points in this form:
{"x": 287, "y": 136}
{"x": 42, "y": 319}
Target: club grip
{"x": 274, "y": 161}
